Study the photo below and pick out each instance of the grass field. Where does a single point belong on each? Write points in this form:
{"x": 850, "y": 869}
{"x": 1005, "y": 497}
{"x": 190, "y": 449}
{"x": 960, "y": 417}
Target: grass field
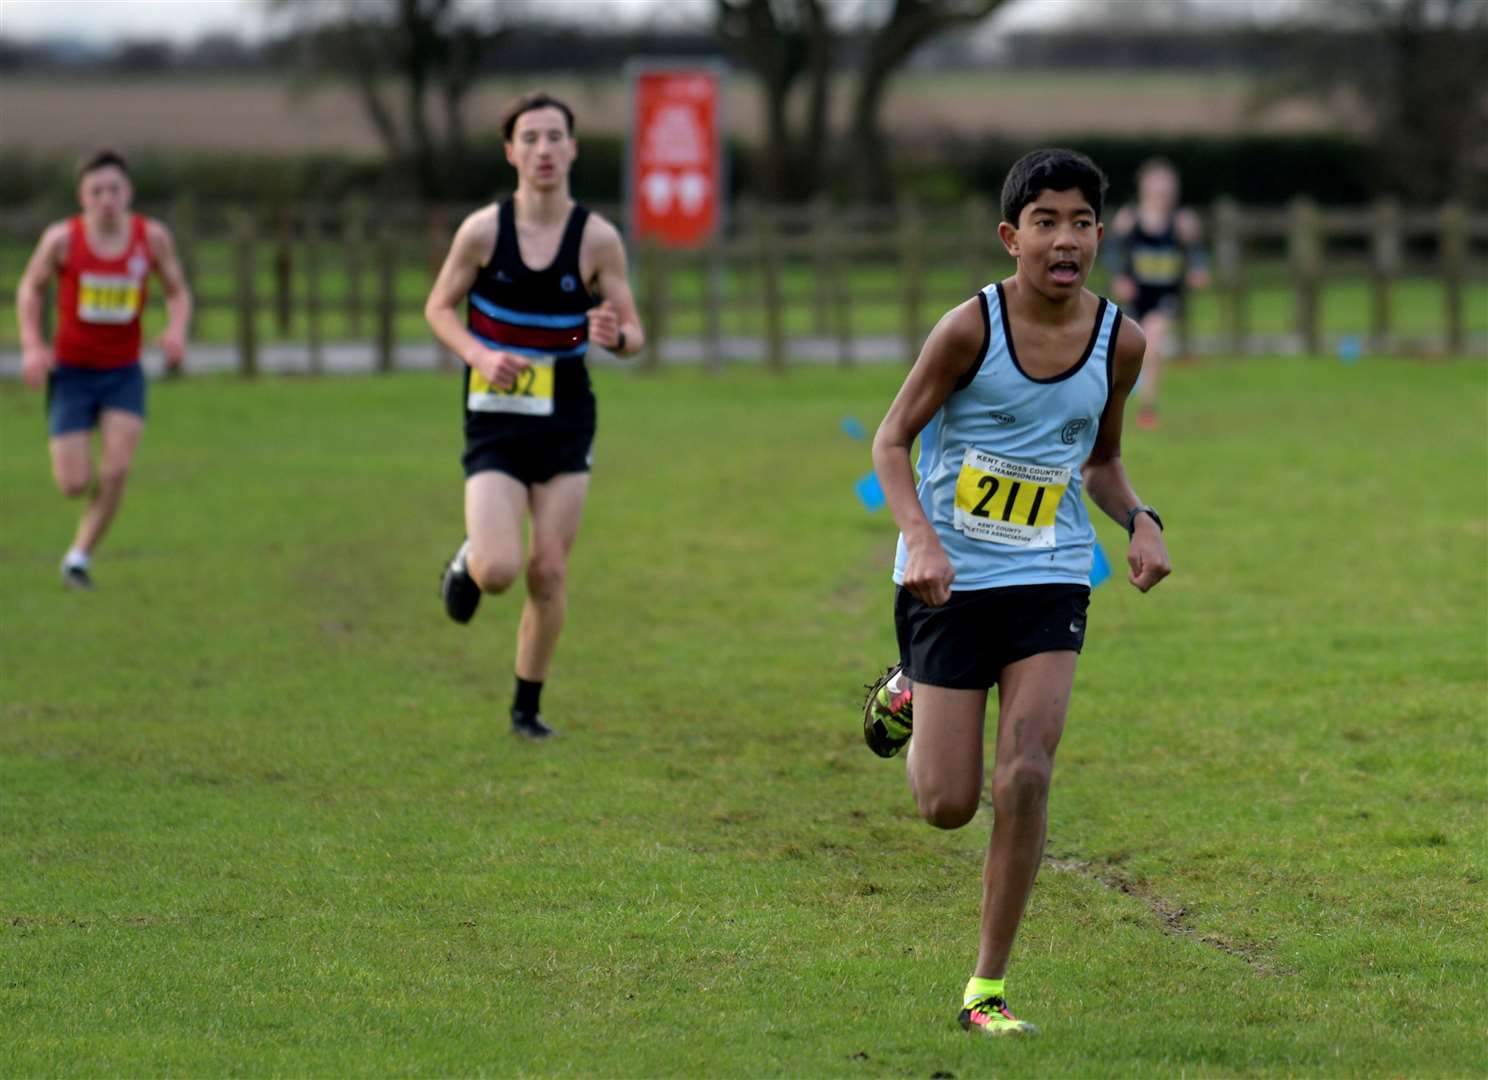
{"x": 262, "y": 815}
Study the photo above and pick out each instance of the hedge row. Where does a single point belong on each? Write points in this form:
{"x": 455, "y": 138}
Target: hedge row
{"x": 1257, "y": 170}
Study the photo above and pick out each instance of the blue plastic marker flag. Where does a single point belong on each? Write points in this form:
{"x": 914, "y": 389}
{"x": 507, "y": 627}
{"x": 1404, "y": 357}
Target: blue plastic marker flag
{"x": 854, "y": 428}
{"x": 1100, "y": 569}
{"x": 870, "y": 492}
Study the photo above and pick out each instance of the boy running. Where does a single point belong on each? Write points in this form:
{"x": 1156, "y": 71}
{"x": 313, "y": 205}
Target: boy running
{"x": 1017, "y": 401}
{"x": 1158, "y": 252}
{"x": 542, "y": 278}
{"x": 102, "y": 260}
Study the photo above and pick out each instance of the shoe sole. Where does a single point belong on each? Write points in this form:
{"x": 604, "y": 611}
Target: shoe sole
{"x": 459, "y": 615}
{"x": 1023, "y": 1028}
{"x": 870, "y": 724}
{"x": 1023, "y": 1031}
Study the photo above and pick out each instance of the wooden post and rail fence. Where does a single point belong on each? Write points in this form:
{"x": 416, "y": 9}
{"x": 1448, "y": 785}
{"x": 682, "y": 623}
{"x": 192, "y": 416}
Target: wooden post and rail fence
{"x": 827, "y": 284}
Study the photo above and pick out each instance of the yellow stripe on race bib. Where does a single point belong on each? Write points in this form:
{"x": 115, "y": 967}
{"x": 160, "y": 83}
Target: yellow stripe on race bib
{"x": 531, "y": 394}
{"x": 1157, "y": 266}
{"x": 107, "y": 298}
{"x": 1008, "y": 502}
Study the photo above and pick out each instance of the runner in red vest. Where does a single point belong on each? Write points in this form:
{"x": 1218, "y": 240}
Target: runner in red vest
{"x": 102, "y": 260}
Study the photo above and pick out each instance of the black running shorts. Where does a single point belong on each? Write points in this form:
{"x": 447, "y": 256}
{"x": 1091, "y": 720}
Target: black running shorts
{"x": 529, "y": 457}
{"x": 965, "y": 643}
{"x": 1164, "y": 299}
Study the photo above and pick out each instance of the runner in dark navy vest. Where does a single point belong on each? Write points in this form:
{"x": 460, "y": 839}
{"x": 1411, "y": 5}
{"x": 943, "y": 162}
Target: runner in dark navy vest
{"x": 541, "y": 278}
{"x": 1157, "y": 252}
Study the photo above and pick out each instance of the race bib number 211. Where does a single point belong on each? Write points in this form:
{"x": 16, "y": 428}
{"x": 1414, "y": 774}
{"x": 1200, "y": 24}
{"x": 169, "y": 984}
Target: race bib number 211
{"x": 1008, "y": 502}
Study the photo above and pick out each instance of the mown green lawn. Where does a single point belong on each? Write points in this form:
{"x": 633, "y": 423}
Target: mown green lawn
{"x": 262, "y": 816}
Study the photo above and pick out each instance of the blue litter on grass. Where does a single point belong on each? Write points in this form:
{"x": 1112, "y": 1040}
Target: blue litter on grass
{"x": 854, "y": 428}
{"x": 1100, "y": 569}
{"x": 870, "y": 492}
{"x": 1350, "y": 349}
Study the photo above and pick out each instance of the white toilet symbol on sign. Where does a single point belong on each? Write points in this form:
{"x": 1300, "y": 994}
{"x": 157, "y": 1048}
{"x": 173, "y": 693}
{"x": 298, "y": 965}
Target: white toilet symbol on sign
{"x": 692, "y": 193}
{"x": 657, "y": 189}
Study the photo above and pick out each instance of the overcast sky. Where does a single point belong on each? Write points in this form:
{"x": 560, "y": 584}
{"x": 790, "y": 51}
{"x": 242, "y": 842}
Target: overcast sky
{"x": 105, "y": 22}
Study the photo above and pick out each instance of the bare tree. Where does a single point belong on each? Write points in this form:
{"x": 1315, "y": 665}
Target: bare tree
{"x": 426, "y": 51}
{"x": 783, "y": 42}
{"x": 790, "y": 42}
{"x": 911, "y": 24}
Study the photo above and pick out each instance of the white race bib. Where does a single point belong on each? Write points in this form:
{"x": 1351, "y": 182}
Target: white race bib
{"x": 1008, "y": 502}
{"x": 108, "y": 298}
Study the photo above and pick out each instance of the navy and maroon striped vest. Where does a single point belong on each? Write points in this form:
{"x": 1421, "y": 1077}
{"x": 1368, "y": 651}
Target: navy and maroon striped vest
{"x": 541, "y": 314}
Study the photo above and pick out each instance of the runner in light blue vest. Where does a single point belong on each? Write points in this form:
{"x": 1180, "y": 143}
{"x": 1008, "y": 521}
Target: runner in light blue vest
{"x": 1017, "y": 400}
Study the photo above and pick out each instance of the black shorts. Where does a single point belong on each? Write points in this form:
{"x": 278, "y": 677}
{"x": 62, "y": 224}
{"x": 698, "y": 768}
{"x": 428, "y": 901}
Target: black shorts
{"x": 1163, "y": 299}
{"x": 530, "y": 457}
{"x": 965, "y": 643}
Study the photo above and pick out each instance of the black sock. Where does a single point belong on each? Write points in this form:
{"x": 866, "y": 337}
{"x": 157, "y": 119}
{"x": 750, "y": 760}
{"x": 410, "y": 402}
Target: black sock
{"x": 528, "y": 693}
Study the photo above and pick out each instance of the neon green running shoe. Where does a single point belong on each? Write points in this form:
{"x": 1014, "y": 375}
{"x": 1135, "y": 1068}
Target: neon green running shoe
{"x": 887, "y": 713}
{"x": 990, "y": 1016}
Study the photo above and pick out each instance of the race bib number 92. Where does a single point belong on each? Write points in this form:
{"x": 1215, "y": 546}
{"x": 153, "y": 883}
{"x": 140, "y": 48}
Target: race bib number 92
{"x": 1008, "y": 502}
{"x": 531, "y": 394}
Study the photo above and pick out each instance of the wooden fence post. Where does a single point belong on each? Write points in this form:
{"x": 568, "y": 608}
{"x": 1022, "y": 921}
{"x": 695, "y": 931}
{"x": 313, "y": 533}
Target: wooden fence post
{"x": 714, "y": 271}
{"x": 1229, "y": 255}
{"x": 770, "y": 279}
{"x": 1305, "y": 249}
{"x": 314, "y": 231}
{"x": 353, "y": 240}
{"x": 975, "y": 243}
{"x": 247, "y": 299}
{"x": 821, "y": 292}
{"x": 1384, "y": 267}
{"x": 438, "y": 232}
{"x": 184, "y": 229}
{"x": 911, "y": 263}
{"x": 1453, "y": 247}
{"x": 387, "y": 307}
{"x": 283, "y": 270}
{"x": 832, "y": 240}
{"x": 52, "y": 207}
{"x": 653, "y": 258}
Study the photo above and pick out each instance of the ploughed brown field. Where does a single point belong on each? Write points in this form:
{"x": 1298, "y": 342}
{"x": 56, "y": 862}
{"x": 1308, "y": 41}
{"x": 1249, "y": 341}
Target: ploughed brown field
{"x": 268, "y": 115}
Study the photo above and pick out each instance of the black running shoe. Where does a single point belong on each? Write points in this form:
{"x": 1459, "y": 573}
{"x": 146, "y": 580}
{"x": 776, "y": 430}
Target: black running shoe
{"x": 529, "y": 725}
{"x": 888, "y": 715}
{"x": 460, "y": 592}
{"x": 76, "y": 577}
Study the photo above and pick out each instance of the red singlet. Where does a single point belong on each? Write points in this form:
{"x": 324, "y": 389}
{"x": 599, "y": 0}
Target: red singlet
{"x": 99, "y": 300}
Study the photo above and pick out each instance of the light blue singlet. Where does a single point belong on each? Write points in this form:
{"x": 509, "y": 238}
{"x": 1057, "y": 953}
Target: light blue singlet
{"x": 1000, "y": 462}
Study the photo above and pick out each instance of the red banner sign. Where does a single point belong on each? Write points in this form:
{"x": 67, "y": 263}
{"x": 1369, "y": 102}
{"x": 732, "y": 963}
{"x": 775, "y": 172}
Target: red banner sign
{"x": 675, "y": 156}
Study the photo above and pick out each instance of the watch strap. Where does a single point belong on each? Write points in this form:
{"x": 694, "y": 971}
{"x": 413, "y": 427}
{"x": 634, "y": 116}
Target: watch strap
{"x": 1131, "y": 518}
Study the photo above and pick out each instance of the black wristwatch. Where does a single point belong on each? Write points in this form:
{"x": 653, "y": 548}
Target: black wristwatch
{"x": 1131, "y": 518}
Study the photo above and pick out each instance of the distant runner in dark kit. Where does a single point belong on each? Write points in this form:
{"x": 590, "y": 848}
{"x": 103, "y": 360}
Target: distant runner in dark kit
{"x": 1157, "y": 253}
{"x": 541, "y": 278}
